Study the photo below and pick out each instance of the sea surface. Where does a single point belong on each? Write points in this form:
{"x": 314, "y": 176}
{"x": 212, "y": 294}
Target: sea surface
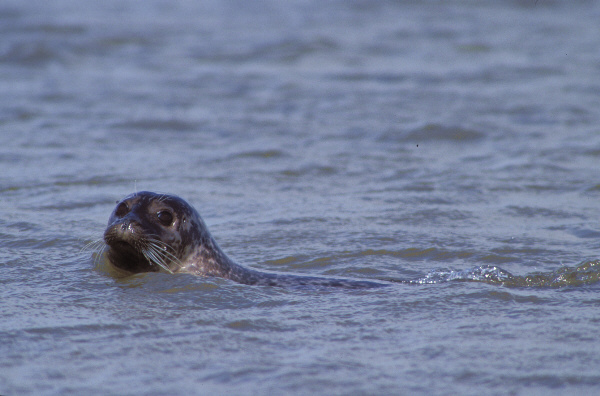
{"x": 453, "y": 144}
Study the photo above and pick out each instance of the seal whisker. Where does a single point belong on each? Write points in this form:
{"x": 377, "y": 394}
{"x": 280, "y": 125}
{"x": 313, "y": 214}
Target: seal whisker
{"x": 152, "y": 257}
{"x": 162, "y": 197}
{"x": 96, "y": 247}
{"x": 98, "y": 254}
{"x": 161, "y": 252}
{"x": 93, "y": 245}
{"x": 162, "y": 248}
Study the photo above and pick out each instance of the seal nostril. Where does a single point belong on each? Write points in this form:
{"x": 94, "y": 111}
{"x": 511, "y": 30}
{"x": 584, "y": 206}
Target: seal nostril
{"x": 125, "y": 225}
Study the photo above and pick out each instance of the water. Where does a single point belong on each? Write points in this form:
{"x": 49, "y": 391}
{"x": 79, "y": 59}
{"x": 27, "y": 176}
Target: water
{"x": 454, "y": 144}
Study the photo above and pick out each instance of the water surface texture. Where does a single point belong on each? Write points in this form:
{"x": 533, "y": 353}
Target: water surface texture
{"x": 452, "y": 143}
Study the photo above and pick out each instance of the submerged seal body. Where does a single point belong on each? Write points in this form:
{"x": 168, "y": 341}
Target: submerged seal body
{"x": 148, "y": 231}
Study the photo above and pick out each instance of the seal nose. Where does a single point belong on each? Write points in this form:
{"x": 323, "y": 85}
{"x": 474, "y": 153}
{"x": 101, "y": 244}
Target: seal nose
{"x": 125, "y": 224}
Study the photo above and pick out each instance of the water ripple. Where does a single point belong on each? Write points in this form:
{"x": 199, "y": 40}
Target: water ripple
{"x": 583, "y": 274}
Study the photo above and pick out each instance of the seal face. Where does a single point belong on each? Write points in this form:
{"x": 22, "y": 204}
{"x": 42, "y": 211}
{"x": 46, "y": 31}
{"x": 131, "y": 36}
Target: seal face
{"x": 148, "y": 231}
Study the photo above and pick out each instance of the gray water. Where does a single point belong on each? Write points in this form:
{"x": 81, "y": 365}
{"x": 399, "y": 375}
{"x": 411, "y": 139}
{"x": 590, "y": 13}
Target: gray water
{"x": 455, "y": 144}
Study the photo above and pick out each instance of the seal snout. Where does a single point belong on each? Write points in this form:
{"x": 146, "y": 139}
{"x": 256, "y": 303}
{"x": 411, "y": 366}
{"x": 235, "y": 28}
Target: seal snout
{"x": 122, "y": 231}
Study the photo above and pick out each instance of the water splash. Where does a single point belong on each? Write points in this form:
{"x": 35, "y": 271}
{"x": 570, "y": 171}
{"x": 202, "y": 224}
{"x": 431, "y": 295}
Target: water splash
{"x": 583, "y": 274}
{"x": 484, "y": 273}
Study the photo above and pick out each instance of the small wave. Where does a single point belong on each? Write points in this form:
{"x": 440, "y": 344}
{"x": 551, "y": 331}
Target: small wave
{"x": 159, "y": 125}
{"x": 583, "y": 274}
{"x": 30, "y": 54}
{"x": 435, "y": 133}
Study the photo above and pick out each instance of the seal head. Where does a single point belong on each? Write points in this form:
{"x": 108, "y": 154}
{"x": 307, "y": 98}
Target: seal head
{"x": 147, "y": 231}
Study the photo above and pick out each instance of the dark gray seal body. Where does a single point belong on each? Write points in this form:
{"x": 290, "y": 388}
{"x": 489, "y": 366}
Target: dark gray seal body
{"x": 149, "y": 231}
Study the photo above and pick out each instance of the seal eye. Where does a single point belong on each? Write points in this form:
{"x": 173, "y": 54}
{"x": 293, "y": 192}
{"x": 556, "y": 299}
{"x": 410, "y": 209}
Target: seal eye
{"x": 121, "y": 210}
{"x": 165, "y": 217}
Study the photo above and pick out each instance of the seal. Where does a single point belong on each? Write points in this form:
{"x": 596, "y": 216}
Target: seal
{"x": 150, "y": 232}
